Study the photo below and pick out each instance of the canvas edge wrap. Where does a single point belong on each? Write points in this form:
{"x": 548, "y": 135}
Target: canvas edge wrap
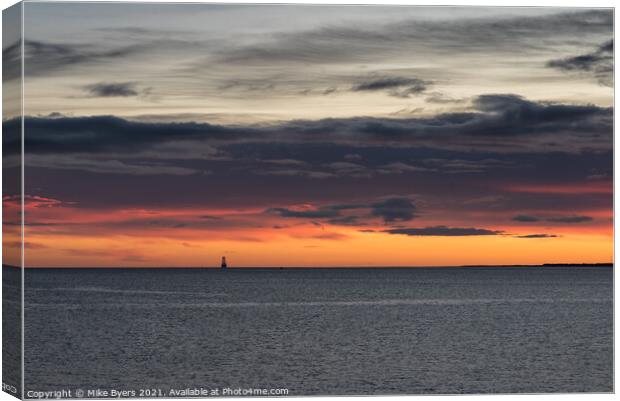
{"x": 12, "y": 200}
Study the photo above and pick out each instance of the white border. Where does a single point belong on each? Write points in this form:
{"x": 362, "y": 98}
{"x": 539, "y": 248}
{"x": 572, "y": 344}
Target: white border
{"x": 503, "y": 3}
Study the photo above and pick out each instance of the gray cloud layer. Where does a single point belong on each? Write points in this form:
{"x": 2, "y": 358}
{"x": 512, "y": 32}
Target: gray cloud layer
{"x": 504, "y": 123}
{"x": 333, "y": 44}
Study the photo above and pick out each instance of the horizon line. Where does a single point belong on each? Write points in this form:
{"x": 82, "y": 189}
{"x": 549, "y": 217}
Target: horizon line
{"x": 596, "y": 264}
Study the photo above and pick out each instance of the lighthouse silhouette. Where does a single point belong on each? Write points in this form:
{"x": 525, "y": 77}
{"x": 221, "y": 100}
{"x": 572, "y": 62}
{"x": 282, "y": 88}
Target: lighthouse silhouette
{"x": 224, "y": 265}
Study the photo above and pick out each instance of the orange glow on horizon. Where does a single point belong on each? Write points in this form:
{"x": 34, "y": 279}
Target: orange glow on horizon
{"x": 65, "y": 235}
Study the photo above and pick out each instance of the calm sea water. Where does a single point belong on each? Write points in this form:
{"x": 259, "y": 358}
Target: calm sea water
{"x": 379, "y": 331}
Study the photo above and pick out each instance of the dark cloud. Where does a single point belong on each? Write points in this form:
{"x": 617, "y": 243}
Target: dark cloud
{"x": 119, "y": 89}
{"x": 517, "y": 121}
{"x": 348, "y": 206}
{"x": 537, "y": 236}
{"x": 394, "y": 209}
{"x": 101, "y": 134}
{"x": 599, "y": 63}
{"x": 235, "y": 177}
{"x": 562, "y": 219}
{"x": 395, "y": 86}
{"x": 607, "y": 47}
{"x": 514, "y": 115}
{"x": 586, "y": 62}
{"x": 390, "y": 210}
{"x": 11, "y": 61}
{"x": 308, "y": 214}
{"x": 523, "y": 218}
{"x": 443, "y": 231}
{"x": 504, "y": 123}
{"x": 570, "y": 219}
{"x": 43, "y": 58}
{"x": 330, "y": 211}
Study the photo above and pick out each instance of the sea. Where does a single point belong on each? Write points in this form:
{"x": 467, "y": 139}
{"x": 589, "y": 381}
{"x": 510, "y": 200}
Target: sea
{"x": 471, "y": 330}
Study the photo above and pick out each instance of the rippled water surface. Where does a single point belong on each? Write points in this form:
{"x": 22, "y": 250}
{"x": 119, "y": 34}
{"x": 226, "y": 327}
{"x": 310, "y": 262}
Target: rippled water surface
{"x": 339, "y": 331}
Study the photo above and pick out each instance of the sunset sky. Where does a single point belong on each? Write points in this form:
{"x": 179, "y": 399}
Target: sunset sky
{"x": 280, "y": 135}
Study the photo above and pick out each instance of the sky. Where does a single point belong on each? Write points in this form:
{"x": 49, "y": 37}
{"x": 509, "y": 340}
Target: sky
{"x": 314, "y": 136}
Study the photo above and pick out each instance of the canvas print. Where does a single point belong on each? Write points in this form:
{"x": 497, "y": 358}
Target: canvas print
{"x": 291, "y": 200}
